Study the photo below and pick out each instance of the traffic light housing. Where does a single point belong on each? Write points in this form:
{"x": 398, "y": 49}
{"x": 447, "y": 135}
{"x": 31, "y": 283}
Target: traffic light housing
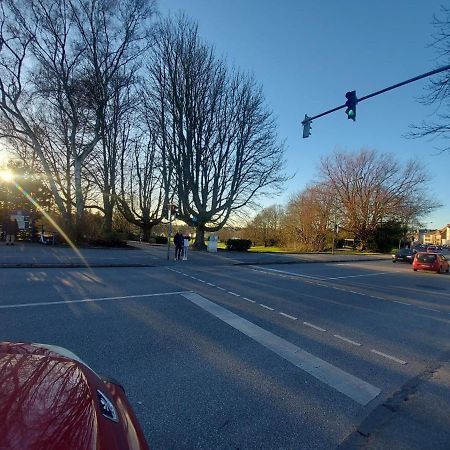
{"x": 351, "y": 105}
{"x": 306, "y": 127}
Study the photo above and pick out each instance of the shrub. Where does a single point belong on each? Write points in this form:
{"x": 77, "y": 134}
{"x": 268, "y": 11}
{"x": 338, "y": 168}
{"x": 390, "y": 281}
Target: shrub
{"x": 160, "y": 240}
{"x": 113, "y": 239}
{"x": 241, "y": 245}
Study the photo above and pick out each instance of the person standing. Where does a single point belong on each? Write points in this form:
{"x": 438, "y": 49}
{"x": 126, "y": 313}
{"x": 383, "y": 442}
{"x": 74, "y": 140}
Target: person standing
{"x": 178, "y": 241}
{"x": 10, "y": 229}
{"x": 186, "y": 239}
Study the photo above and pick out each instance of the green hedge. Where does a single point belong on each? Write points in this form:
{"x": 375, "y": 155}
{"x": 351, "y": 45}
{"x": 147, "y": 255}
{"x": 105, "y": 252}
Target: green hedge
{"x": 160, "y": 239}
{"x": 241, "y": 245}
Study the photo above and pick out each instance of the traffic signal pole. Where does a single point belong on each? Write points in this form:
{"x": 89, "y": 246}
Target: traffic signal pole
{"x": 169, "y": 232}
{"x": 307, "y": 121}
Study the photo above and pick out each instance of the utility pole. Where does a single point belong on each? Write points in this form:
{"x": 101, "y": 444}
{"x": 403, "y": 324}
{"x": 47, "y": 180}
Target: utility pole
{"x": 352, "y": 100}
{"x": 169, "y": 232}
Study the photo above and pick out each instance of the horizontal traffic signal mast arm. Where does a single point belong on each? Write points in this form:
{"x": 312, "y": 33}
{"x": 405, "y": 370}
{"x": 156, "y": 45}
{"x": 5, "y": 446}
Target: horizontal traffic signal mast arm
{"x": 381, "y": 91}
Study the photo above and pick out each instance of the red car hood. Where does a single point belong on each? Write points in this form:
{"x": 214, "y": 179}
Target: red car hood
{"x": 49, "y": 401}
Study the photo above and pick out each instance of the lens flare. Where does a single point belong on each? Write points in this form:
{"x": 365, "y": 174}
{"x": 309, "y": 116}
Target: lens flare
{"x": 54, "y": 224}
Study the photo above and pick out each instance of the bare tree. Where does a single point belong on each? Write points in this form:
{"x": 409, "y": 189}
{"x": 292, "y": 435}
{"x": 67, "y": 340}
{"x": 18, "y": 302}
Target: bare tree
{"x": 438, "y": 89}
{"x": 215, "y": 132}
{"x": 265, "y": 226}
{"x": 63, "y": 57}
{"x": 308, "y": 218}
{"x": 143, "y": 193}
{"x": 370, "y": 188}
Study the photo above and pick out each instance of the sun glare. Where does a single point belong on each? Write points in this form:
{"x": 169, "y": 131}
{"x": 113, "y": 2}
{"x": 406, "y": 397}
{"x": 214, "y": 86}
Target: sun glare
{"x": 6, "y": 175}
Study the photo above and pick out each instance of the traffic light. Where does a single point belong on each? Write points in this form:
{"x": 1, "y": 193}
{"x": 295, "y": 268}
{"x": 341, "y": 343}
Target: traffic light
{"x": 306, "y": 126}
{"x": 351, "y": 105}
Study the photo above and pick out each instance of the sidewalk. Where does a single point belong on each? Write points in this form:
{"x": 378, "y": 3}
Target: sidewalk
{"x": 414, "y": 418}
{"x": 137, "y": 254}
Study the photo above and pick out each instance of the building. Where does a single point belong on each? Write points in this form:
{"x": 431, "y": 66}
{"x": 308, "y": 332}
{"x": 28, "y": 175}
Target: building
{"x": 434, "y": 237}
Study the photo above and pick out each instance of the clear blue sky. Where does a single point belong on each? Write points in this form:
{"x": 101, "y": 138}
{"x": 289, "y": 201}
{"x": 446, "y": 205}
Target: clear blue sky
{"x": 307, "y": 58}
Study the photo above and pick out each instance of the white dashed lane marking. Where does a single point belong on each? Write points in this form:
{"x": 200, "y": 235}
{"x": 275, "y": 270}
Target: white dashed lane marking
{"x": 233, "y": 293}
{"x": 266, "y": 307}
{"x": 342, "y": 338}
{"x": 311, "y": 325}
{"x": 346, "y": 383}
{"x": 385, "y": 355}
{"x": 287, "y": 315}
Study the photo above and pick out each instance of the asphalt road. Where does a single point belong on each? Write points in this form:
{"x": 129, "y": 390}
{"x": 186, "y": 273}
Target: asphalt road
{"x": 285, "y": 356}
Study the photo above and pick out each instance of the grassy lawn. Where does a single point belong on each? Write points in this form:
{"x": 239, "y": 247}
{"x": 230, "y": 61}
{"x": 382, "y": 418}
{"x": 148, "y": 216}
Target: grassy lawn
{"x": 262, "y": 249}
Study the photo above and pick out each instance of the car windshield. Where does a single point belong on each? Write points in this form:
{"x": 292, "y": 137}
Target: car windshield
{"x": 426, "y": 258}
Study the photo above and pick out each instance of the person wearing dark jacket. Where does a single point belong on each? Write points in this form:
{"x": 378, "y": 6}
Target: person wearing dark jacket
{"x": 178, "y": 241}
{"x": 10, "y": 229}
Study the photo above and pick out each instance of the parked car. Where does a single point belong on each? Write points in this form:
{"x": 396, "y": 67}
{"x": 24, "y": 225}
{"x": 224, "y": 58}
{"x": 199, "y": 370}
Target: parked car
{"x": 430, "y": 261}
{"x": 432, "y": 249}
{"x": 404, "y": 255}
{"x": 51, "y": 400}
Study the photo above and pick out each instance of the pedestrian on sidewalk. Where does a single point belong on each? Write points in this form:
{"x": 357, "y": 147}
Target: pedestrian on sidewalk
{"x": 186, "y": 239}
{"x": 10, "y": 229}
{"x": 178, "y": 241}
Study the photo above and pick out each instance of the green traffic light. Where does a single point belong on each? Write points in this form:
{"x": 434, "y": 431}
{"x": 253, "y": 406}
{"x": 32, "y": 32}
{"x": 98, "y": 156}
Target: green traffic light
{"x": 351, "y": 105}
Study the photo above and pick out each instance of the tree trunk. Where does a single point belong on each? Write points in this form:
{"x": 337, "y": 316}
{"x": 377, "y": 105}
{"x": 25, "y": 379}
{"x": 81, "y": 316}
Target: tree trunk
{"x": 146, "y": 232}
{"x": 108, "y": 208}
{"x": 79, "y": 201}
{"x": 199, "y": 243}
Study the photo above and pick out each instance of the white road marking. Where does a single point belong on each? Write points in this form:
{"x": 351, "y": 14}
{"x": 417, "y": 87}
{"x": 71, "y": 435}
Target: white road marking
{"x": 429, "y": 309}
{"x": 349, "y": 385}
{"x": 210, "y": 284}
{"x": 252, "y": 301}
{"x": 233, "y": 293}
{"x": 288, "y": 273}
{"x": 401, "y": 303}
{"x": 89, "y": 300}
{"x": 221, "y": 288}
{"x": 313, "y": 326}
{"x": 288, "y": 316}
{"x": 347, "y": 340}
{"x": 356, "y": 276}
{"x": 267, "y": 307}
{"x": 393, "y": 358}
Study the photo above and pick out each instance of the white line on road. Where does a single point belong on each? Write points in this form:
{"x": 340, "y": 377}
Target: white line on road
{"x": 233, "y": 293}
{"x": 221, "y": 288}
{"x": 288, "y": 316}
{"x": 356, "y": 276}
{"x": 349, "y": 385}
{"x": 385, "y": 355}
{"x": 347, "y": 340}
{"x": 266, "y": 269}
{"x": 429, "y": 309}
{"x": 89, "y": 300}
{"x": 210, "y": 284}
{"x": 252, "y": 301}
{"x": 313, "y": 326}
{"x": 267, "y": 307}
{"x": 401, "y": 303}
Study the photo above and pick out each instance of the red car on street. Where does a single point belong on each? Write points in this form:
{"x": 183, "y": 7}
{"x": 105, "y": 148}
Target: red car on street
{"x": 51, "y": 400}
{"x": 430, "y": 261}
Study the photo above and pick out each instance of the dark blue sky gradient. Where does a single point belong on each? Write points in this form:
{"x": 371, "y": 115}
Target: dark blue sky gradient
{"x": 307, "y": 55}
